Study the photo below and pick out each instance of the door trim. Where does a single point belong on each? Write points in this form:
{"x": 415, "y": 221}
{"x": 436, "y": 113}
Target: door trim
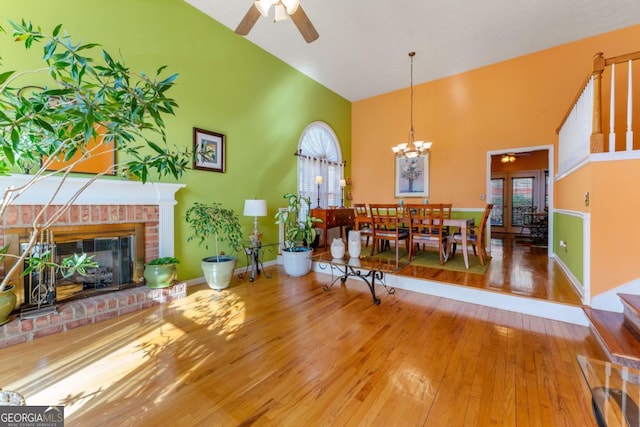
{"x": 552, "y": 174}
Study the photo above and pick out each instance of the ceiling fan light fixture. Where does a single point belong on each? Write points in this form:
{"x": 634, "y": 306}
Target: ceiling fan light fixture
{"x": 291, "y": 5}
{"x": 508, "y": 158}
{"x": 281, "y": 13}
{"x": 283, "y": 9}
{"x": 263, "y": 6}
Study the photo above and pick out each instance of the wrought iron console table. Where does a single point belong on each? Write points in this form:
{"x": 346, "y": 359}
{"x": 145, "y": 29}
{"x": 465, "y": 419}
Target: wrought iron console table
{"x": 366, "y": 268}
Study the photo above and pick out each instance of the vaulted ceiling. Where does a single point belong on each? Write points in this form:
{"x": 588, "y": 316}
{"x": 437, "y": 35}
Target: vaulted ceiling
{"x": 364, "y": 44}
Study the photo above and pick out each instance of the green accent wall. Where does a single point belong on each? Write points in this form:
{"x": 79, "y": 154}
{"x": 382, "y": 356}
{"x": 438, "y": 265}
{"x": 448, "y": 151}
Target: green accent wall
{"x": 226, "y": 84}
{"x": 569, "y": 229}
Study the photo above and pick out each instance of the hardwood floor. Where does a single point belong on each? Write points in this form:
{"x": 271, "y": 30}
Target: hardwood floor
{"x": 515, "y": 268}
{"x": 283, "y": 352}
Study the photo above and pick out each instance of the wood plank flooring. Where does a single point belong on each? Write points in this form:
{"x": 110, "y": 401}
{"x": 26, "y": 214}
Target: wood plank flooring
{"x": 519, "y": 269}
{"x": 283, "y": 352}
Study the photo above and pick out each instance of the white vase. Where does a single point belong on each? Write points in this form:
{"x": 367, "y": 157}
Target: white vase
{"x": 354, "y": 243}
{"x": 337, "y": 248}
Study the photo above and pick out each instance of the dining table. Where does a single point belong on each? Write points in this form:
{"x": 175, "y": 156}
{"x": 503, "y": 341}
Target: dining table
{"x": 464, "y": 225}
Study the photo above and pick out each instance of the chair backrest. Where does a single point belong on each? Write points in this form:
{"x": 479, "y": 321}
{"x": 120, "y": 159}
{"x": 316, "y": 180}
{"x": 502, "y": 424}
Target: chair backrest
{"x": 360, "y": 209}
{"x": 385, "y": 216}
{"x": 426, "y": 220}
{"x": 447, "y": 210}
{"x": 485, "y": 217}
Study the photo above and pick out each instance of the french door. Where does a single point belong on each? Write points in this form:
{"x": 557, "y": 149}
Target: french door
{"x": 510, "y": 193}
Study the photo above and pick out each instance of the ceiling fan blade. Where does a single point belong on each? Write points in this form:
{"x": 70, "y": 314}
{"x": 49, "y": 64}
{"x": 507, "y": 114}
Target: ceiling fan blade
{"x": 248, "y": 21}
{"x": 301, "y": 20}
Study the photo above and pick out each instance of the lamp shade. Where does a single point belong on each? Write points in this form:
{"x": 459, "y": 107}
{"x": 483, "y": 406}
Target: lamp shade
{"x": 255, "y": 207}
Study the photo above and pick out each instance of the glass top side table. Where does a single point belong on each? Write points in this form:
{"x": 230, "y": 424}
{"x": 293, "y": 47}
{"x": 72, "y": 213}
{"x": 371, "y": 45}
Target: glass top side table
{"x": 254, "y": 251}
{"x": 615, "y": 392}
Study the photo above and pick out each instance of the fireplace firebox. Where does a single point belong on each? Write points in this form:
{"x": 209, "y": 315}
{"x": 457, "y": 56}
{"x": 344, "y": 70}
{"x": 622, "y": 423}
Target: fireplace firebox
{"x": 118, "y": 249}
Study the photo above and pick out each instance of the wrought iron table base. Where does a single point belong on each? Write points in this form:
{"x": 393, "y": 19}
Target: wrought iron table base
{"x": 254, "y": 261}
{"x": 369, "y": 278}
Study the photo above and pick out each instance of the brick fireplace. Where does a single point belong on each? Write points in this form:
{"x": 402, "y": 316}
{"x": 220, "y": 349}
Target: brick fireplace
{"x": 148, "y": 207}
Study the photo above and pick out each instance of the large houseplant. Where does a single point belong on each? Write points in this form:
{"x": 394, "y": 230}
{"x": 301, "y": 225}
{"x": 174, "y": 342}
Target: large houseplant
{"x": 212, "y": 221}
{"x": 78, "y": 103}
{"x": 299, "y": 234}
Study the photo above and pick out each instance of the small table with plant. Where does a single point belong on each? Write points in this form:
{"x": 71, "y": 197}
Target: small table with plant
{"x": 366, "y": 268}
{"x": 254, "y": 251}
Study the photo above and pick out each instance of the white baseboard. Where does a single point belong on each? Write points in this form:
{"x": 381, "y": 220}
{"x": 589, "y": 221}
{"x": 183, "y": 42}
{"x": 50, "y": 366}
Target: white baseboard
{"x": 572, "y": 278}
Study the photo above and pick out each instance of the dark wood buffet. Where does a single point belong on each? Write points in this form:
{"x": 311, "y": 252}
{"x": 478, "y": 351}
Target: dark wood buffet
{"x": 338, "y": 217}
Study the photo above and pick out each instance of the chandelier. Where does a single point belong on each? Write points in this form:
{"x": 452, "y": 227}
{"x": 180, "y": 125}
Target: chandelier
{"x": 413, "y": 148}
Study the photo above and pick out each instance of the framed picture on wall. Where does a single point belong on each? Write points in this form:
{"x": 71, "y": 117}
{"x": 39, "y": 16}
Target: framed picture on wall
{"x": 209, "y": 149}
{"x": 412, "y": 176}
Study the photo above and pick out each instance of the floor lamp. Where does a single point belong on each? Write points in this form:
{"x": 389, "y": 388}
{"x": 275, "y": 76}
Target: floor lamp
{"x": 255, "y": 208}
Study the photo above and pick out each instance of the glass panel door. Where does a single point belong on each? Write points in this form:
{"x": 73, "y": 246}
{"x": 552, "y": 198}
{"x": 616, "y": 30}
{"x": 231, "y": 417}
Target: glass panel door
{"x": 522, "y": 199}
{"x": 498, "y": 199}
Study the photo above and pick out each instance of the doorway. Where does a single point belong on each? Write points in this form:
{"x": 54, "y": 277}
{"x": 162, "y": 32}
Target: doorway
{"x": 518, "y": 182}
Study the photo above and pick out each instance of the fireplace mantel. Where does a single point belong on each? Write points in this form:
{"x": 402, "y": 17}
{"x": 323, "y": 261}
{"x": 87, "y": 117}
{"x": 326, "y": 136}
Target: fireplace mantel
{"x": 105, "y": 192}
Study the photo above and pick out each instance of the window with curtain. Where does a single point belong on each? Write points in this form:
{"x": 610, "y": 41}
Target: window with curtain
{"x": 319, "y": 155}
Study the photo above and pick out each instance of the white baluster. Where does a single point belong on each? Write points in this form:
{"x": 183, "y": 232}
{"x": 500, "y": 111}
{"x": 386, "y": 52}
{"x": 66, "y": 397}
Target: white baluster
{"x": 612, "y": 111}
{"x": 630, "y": 109}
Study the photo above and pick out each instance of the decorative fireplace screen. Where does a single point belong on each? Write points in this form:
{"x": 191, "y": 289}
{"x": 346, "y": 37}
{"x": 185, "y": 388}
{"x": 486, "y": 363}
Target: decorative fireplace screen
{"x": 118, "y": 249}
{"x": 114, "y": 256}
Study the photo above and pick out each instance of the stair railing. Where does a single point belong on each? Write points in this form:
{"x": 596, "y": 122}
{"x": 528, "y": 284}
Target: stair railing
{"x": 581, "y": 132}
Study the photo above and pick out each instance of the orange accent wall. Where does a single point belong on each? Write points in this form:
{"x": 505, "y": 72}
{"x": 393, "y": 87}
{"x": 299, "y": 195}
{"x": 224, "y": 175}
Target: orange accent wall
{"x": 570, "y": 190}
{"x": 615, "y": 205}
{"x": 515, "y": 103}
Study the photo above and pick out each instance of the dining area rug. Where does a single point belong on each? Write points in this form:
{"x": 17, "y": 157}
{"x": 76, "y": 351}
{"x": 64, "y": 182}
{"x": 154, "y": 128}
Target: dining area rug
{"x": 430, "y": 259}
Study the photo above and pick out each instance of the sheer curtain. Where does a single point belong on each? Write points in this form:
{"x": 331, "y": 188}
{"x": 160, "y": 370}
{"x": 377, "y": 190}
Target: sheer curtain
{"x": 319, "y": 154}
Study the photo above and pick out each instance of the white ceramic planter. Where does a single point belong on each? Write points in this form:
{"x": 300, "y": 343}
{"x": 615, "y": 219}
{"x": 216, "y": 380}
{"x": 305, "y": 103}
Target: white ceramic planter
{"x": 218, "y": 274}
{"x": 298, "y": 263}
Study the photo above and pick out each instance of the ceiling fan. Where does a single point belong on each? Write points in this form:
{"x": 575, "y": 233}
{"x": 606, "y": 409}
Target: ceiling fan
{"x": 511, "y": 157}
{"x": 283, "y": 8}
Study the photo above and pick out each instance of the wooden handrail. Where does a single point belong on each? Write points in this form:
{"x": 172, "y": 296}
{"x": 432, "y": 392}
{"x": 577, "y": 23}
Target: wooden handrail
{"x": 622, "y": 58}
{"x": 599, "y": 64}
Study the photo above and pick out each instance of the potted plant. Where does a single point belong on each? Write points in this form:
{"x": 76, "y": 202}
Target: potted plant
{"x": 299, "y": 233}
{"x": 213, "y": 221}
{"x": 161, "y": 272}
{"x": 79, "y": 103}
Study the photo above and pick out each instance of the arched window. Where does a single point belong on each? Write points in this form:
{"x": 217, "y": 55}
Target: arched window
{"x": 319, "y": 155}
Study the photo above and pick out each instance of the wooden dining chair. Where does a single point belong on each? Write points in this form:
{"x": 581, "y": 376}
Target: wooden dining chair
{"x": 476, "y": 237}
{"x": 426, "y": 226}
{"x": 362, "y": 221}
{"x": 387, "y": 220}
{"x": 447, "y": 214}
